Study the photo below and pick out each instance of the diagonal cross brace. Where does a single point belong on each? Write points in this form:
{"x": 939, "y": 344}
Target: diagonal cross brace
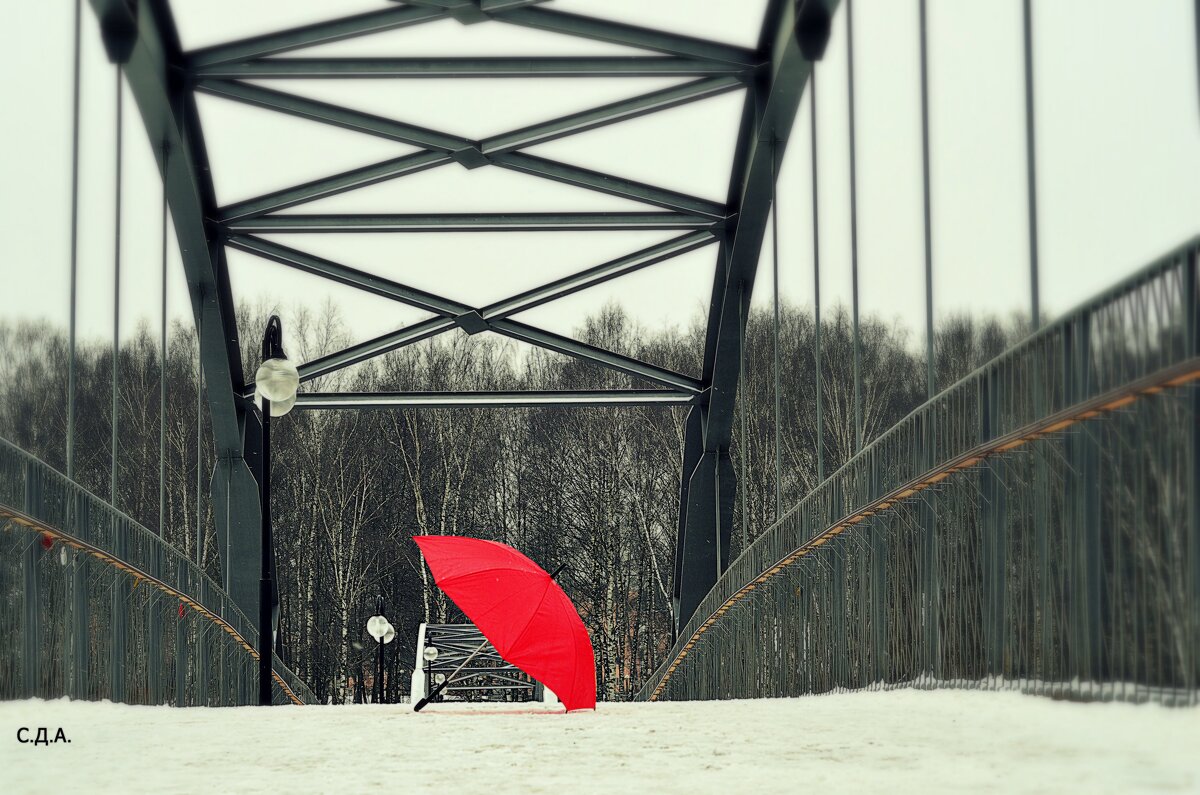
{"x": 495, "y": 317}
{"x": 497, "y": 150}
{"x": 511, "y": 11}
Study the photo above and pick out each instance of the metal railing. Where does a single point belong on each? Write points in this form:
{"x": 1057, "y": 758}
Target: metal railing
{"x": 1036, "y": 525}
{"x": 95, "y": 606}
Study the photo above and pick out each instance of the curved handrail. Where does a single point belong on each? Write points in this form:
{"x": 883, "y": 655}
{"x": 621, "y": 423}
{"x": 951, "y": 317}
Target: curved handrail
{"x": 59, "y": 507}
{"x": 1033, "y": 388}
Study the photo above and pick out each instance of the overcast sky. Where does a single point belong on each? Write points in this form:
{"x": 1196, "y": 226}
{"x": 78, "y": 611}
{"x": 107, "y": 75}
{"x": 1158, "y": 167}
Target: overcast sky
{"x": 1118, "y": 126}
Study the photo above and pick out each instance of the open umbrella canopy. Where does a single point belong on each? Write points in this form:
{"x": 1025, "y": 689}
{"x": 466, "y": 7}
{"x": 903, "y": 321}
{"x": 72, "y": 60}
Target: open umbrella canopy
{"x": 520, "y": 609}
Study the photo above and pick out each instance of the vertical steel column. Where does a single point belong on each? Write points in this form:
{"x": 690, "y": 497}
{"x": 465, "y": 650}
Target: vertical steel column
{"x": 858, "y": 419}
{"x": 775, "y": 295}
{"x": 265, "y": 644}
{"x": 879, "y": 586}
{"x": 995, "y": 535}
{"x": 1031, "y": 171}
{"x": 80, "y": 650}
{"x": 31, "y": 663}
{"x": 119, "y": 601}
{"x": 812, "y": 92}
{"x": 1086, "y": 464}
{"x": 181, "y": 640}
{"x": 841, "y": 667}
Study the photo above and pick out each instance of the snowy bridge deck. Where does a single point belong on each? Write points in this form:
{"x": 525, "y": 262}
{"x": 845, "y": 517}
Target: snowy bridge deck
{"x": 902, "y": 740}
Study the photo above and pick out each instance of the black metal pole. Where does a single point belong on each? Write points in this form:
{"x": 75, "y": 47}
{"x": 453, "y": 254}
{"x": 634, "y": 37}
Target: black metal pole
{"x": 264, "y": 582}
{"x": 379, "y": 675}
{"x": 379, "y": 662}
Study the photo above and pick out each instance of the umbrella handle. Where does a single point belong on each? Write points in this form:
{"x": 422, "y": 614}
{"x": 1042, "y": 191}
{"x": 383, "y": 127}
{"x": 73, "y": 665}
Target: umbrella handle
{"x": 421, "y": 704}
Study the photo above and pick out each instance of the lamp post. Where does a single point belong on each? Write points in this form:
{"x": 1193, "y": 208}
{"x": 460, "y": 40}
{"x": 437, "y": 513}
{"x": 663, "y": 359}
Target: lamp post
{"x": 383, "y": 632}
{"x": 275, "y": 383}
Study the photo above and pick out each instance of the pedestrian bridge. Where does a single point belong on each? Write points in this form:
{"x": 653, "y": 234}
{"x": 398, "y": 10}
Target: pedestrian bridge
{"x": 1032, "y": 526}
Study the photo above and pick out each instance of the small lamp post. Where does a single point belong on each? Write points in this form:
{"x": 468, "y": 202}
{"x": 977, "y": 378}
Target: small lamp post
{"x": 275, "y": 384}
{"x": 383, "y": 632}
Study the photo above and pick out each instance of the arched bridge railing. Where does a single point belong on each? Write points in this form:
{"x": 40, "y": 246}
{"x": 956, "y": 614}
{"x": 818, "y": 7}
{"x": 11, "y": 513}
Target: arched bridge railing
{"x": 1034, "y": 526}
{"x": 96, "y": 606}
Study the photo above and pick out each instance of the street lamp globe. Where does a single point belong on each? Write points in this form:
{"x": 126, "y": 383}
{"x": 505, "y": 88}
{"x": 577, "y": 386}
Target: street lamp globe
{"x": 430, "y": 654}
{"x": 377, "y": 627}
{"x": 277, "y": 379}
{"x": 278, "y": 407}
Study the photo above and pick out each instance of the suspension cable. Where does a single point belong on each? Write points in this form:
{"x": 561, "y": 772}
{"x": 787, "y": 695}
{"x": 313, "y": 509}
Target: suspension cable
{"x": 775, "y": 274}
{"x": 812, "y": 87}
{"x": 931, "y": 382}
{"x": 1031, "y": 171}
{"x": 742, "y": 400}
{"x": 162, "y": 381}
{"x": 74, "y": 248}
{"x": 116, "y": 340}
{"x": 858, "y": 419}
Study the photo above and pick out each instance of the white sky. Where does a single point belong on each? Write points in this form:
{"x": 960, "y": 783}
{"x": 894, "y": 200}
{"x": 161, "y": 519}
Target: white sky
{"x": 1118, "y": 155}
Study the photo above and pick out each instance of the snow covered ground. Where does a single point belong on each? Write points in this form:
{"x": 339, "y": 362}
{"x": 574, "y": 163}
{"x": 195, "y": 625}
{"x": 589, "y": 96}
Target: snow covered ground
{"x": 904, "y": 740}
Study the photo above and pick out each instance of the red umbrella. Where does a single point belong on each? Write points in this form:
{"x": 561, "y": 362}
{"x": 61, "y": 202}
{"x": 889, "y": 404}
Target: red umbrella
{"x": 520, "y": 609}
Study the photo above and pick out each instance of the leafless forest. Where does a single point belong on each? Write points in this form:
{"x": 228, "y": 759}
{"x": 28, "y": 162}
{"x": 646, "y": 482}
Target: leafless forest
{"x": 594, "y": 488}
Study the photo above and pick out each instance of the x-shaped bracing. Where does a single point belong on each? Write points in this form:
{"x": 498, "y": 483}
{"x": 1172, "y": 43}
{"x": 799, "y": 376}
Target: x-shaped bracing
{"x": 439, "y": 149}
{"x": 721, "y": 69}
{"x": 495, "y": 317}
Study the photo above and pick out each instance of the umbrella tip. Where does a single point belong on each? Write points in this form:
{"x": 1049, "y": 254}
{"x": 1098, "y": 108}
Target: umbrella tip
{"x": 561, "y": 566}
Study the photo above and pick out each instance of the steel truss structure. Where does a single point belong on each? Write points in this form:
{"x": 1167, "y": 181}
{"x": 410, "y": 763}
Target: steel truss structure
{"x": 164, "y": 81}
{"x": 1035, "y": 525}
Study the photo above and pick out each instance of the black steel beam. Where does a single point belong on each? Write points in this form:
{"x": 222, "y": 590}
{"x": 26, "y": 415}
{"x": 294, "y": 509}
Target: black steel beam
{"x": 512, "y": 67}
{"x": 472, "y": 222}
{"x": 343, "y": 274}
{"x": 371, "y": 348}
{"x": 333, "y": 114}
{"x": 371, "y": 400}
{"x": 513, "y": 161}
{"x": 333, "y": 185}
{"x": 590, "y": 353}
{"x": 497, "y": 150}
{"x": 312, "y": 35}
{"x": 628, "y": 35}
{"x": 596, "y": 275}
{"x": 607, "y": 183}
{"x": 706, "y": 498}
{"x": 609, "y": 114}
{"x": 172, "y": 124}
{"x": 453, "y": 310}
